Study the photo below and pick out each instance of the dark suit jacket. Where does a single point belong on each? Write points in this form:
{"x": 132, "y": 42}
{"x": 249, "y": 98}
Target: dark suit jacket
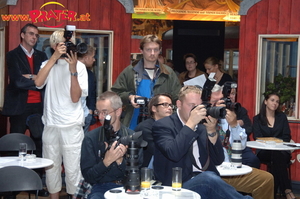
{"x": 172, "y": 149}
{"x": 146, "y": 128}
{"x": 17, "y": 90}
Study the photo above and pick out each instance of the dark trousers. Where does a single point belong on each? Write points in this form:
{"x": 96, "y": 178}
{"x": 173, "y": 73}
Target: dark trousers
{"x": 277, "y": 162}
{"x": 18, "y": 125}
{"x": 250, "y": 159}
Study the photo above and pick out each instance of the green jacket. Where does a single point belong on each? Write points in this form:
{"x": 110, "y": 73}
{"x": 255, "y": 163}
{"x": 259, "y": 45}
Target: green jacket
{"x": 166, "y": 82}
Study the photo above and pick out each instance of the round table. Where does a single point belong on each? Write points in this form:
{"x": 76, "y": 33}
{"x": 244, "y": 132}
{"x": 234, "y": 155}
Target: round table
{"x": 30, "y": 164}
{"x": 277, "y": 147}
{"x": 166, "y": 192}
{"x": 225, "y": 169}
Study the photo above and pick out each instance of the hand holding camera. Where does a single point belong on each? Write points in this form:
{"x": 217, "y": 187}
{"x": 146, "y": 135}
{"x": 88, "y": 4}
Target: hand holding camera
{"x": 197, "y": 114}
{"x": 231, "y": 117}
{"x": 115, "y": 153}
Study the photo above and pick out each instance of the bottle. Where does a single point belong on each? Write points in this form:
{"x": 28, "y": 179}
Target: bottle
{"x": 236, "y": 156}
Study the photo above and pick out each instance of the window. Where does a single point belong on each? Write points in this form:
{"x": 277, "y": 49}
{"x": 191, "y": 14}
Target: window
{"x": 101, "y": 40}
{"x": 231, "y": 62}
{"x": 278, "y": 63}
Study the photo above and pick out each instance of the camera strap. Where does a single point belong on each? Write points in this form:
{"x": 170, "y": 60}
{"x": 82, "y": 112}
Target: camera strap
{"x": 226, "y": 139}
{"x": 207, "y": 160}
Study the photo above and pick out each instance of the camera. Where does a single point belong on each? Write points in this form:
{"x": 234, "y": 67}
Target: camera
{"x": 79, "y": 48}
{"x": 233, "y": 106}
{"x": 143, "y": 102}
{"x": 213, "y": 111}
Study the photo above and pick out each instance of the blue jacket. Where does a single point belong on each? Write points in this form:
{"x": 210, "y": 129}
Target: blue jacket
{"x": 173, "y": 144}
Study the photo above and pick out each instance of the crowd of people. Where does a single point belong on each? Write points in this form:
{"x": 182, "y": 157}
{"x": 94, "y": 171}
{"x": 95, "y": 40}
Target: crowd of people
{"x": 147, "y": 96}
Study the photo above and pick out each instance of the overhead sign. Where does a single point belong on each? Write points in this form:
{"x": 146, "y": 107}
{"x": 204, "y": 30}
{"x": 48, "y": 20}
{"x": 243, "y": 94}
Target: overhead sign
{"x": 43, "y": 15}
{"x": 201, "y": 10}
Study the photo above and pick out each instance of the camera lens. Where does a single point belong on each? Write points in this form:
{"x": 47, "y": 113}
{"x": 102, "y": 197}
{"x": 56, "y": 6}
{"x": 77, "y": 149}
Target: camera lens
{"x": 216, "y": 112}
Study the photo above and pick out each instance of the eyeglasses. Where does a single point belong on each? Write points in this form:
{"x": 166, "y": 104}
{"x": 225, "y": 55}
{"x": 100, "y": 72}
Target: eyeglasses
{"x": 103, "y": 113}
{"x": 191, "y": 62}
{"x": 166, "y": 105}
{"x": 32, "y": 34}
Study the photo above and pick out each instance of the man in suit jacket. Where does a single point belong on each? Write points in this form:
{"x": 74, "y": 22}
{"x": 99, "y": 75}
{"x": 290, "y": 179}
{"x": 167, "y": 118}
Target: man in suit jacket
{"x": 160, "y": 106}
{"x": 22, "y": 98}
{"x": 181, "y": 141}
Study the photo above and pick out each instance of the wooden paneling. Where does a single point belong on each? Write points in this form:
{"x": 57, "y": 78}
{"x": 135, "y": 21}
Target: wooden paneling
{"x": 104, "y": 15}
{"x": 265, "y": 17}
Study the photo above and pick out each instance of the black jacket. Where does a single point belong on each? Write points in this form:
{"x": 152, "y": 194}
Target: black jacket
{"x": 172, "y": 149}
{"x": 16, "y": 94}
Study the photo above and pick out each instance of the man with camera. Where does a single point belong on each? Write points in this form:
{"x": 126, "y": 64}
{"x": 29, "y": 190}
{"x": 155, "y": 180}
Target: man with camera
{"x": 259, "y": 183}
{"x": 67, "y": 81}
{"x": 160, "y": 106}
{"x": 181, "y": 141}
{"x": 147, "y": 78}
{"x": 103, "y": 164}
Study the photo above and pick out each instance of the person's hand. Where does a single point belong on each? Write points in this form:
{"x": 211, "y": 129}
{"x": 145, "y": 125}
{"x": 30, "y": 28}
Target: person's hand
{"x": 72, "y": 60}
{"x": 196, "y": 115}
{"x": 231, "y": 118}
{"x": 131, "y": 99}
{"x": 114, "y": 154}
{"x": 59, "y": 50}
{"x": 210, "y": 124}
{"x": 240, "y": 122}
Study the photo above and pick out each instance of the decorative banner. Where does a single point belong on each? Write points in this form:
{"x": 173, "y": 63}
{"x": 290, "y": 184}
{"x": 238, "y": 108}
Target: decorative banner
{"x": 43, "y": 15}
{"x": 201, "y": 10}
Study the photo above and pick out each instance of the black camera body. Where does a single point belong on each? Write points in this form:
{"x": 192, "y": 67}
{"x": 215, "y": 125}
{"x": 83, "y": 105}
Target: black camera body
{"x": 233, "y": 106}
{"x": 79, "y": 48}
{"x": 143, "y": 102}
{"x": 213, "y": 111}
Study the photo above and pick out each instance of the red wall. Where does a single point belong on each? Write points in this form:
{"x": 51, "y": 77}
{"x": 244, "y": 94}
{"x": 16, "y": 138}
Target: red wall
{"x": 265, "y": 17}
{"x": 104, "y": 15}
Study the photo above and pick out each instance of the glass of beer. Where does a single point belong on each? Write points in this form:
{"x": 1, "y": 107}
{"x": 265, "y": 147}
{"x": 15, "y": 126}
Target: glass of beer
{"x": 176, "y": 178}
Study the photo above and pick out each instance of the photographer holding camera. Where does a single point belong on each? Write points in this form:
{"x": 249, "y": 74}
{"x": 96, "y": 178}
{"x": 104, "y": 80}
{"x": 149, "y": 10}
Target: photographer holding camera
{"x": 145, "y": 79}
{"x": 180, "y": 141}
{"x": 259, "y": 183}
{"x": 105, "y": 168}
{"x": 63, "y": 118}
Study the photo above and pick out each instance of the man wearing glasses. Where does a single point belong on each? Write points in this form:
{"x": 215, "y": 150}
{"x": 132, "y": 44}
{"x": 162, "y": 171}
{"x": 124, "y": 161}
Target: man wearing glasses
{"x": 145, "y": 79}
{"x": 160, "y": 106}
{"x": 22, "y": 98}
{"x": 180, "y": 141}
{"x": 104, "y": 168}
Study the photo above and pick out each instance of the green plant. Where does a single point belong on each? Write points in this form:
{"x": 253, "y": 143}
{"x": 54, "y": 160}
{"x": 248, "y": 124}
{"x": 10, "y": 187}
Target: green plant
{"x": 284, "y": 86}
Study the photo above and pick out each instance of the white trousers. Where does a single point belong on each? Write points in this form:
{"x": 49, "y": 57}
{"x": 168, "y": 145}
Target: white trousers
{"x": 63, "y": 145}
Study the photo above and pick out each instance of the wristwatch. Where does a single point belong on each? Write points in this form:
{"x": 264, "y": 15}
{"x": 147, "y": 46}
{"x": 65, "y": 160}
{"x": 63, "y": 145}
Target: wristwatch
{"x": 212, "y": 134}
{"x": 30, "y": 76}
{"x": 74, "y": 74}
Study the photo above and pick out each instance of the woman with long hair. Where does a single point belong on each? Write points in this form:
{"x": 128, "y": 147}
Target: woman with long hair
{"x": 271, "y": 122}
{"x": 214, "y": 65}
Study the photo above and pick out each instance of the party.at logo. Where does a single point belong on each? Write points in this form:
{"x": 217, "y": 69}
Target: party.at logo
{"x": 44, "y": 16}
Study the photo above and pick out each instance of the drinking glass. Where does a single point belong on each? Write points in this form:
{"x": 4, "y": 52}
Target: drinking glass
{"x": 145, "y": 178}
{"x": 176, "y": 178}
{"x": 22, "y": 151}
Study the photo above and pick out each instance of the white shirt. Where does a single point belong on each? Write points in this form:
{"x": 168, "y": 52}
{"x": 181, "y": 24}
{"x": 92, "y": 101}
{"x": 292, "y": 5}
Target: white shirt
{"x": 59, "y": 110}
{"x": 236, "y": 133}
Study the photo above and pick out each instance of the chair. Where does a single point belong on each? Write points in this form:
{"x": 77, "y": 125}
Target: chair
{"x": 10, "y": 142}
{"x": 16, "y": 178}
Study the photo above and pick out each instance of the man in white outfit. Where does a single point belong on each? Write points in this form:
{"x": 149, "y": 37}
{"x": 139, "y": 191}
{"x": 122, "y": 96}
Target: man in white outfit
{"x": 66, "y": 80}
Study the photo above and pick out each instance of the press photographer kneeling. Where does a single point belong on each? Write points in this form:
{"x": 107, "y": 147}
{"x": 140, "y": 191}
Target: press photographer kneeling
{"x": 105, "y": 168}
